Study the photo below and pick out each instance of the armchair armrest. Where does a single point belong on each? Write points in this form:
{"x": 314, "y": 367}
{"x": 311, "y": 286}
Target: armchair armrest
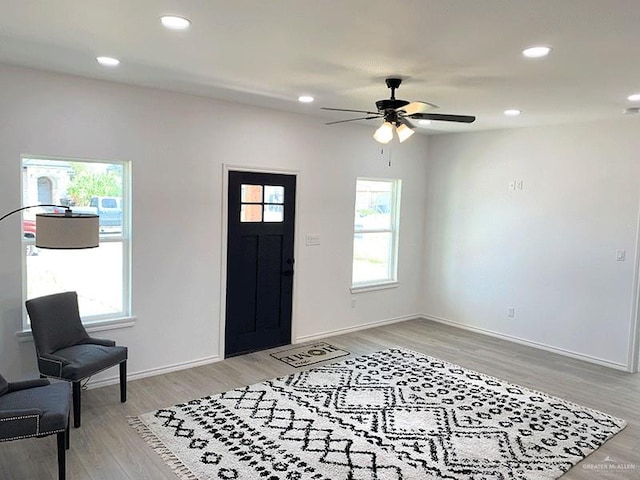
{"x": 19, "y": 423}
{"x": 53, "y": 358}
{"x": 15, "y": 386}
{"x": 100, "y": 341}
{"x": 51, "y": 364}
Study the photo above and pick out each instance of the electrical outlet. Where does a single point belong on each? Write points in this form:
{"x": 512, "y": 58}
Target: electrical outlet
{"x": 512, "y": 312}
{"x": 353, "y": 303}
{"x": 516, "y": 184}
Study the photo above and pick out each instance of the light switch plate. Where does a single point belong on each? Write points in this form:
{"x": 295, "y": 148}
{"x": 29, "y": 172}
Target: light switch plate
{"x": 313, "y": 239}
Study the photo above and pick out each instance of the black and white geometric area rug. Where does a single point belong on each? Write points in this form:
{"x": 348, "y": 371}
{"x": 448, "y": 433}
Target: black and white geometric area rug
{"x": 390, "y": 415}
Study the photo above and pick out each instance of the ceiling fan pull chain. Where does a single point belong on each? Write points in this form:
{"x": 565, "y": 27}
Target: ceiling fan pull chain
{"x": 382, "y": 154}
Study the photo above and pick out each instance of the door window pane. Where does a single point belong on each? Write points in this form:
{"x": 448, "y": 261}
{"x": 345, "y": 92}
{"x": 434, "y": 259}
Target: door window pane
{"x": 251, "y": 193}
{"x": 251, "y": 213}
{"x": 274, "y": 213}
{"x": 273, "y": 194}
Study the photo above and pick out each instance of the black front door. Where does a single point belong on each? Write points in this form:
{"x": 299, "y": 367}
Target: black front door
{"x": 259, "y": 261}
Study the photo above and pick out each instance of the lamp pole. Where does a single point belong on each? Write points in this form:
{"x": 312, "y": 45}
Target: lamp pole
{"x": 67, "y": 210}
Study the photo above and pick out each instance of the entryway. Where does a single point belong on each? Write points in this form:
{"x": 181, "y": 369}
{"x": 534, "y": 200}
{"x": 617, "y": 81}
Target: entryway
{"x": 260, "y": 263}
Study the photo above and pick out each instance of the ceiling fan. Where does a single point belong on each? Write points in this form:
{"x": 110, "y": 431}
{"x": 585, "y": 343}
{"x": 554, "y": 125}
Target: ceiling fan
{"x": 398, "y": 113}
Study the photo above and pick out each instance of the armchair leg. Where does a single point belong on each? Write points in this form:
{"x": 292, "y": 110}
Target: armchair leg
{"x": 76, "y": 403}
{"x": 67, "y": 435}
{"x": 123, "y": 381}
{"x": 62, "y": 455}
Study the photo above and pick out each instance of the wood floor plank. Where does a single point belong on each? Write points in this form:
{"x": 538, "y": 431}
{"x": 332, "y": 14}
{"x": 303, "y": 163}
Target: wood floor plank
{"x": 107, "y": 448}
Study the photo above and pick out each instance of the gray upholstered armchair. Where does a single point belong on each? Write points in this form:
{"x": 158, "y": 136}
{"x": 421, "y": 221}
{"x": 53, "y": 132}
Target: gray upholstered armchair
{"x": 64, "y": 348}
{"x": 36, "y": 408}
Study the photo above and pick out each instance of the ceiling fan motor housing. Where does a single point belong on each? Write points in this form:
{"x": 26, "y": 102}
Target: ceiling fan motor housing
{"x": 384, "y": 105}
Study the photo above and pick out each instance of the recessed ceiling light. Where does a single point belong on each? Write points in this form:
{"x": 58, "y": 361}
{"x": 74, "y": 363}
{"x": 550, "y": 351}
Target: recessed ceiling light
{"x": 108, "y": 61}
{"x": 424, "y": 122}
{"x": 536, "y": 51}
{"x": 305, "y": 98}
{"x": 175, "y": 23}
{"x": 512, "y": 112}
{"x": 634, "y": 98}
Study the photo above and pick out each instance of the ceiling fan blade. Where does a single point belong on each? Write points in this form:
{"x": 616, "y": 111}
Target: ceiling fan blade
{"x": 416, "y": 107}
{"x": 346, "y": 110}
{"x": 354, "y": 119}
{"x": 405, "y": 121}
{"x": 443, "y": 117}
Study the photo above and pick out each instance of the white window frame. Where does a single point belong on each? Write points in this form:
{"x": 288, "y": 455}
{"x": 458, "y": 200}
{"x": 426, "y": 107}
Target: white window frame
{"x": 394, "y": 229}
{"x": 101, "y": 321}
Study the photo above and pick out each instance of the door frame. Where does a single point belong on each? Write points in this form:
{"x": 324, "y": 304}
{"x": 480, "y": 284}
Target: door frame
{"x": 633, "y": 357}
{"x": 226, "y": 168}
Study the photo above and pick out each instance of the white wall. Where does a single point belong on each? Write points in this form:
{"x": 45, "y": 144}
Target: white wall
{"x": 177, "y": 145}
{"x": 548, "y": 250}
{"x": 470, "y": 248}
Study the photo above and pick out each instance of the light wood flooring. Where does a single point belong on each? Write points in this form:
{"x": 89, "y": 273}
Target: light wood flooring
{"x": 107, "y": 448}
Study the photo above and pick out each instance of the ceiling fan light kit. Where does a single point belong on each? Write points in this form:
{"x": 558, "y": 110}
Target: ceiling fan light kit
{"x": 384, "y": 134}
{"x": 404, "y": 132}
{"x": 398, "y": 113}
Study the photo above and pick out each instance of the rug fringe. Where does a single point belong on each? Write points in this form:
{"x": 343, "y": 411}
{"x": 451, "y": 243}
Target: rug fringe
{"x": 179, "y": 468}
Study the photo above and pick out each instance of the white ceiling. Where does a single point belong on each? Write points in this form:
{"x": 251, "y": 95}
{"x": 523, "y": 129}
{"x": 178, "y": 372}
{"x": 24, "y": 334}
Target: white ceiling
{"x": 463, "y": 55}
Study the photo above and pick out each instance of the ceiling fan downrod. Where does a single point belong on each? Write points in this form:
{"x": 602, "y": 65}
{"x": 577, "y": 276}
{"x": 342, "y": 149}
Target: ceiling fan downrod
{"x": 393, "y": 84}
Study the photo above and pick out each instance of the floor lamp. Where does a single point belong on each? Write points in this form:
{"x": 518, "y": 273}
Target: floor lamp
{"x": 66, "y": 230}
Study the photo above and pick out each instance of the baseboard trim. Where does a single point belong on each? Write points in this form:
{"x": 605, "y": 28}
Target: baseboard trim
{"x": 152, "y": 372}
{"x": 363, "y": 326}
{"x": 529, "y": 343}
{"x": 103, "y": 382}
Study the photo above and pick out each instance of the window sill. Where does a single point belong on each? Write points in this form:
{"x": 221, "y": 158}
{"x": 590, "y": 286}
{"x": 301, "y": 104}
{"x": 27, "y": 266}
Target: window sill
{"x": 374, "y": 287}
{"x": 91, "y": 327}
